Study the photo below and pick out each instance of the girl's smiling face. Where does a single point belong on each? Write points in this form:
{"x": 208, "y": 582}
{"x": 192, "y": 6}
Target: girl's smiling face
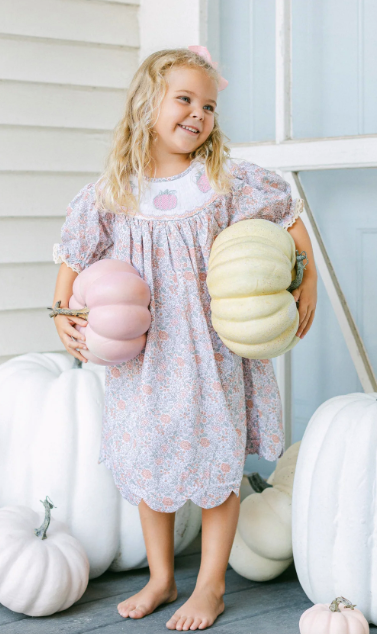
{"x": 190, "y": 101}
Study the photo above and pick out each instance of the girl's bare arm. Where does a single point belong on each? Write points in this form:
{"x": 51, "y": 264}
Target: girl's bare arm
{"x": 306, "y": 293}
{"x": 64, "y": 324}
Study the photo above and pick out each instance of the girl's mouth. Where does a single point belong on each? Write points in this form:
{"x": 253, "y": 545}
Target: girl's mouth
{"x": 188, "y": 131}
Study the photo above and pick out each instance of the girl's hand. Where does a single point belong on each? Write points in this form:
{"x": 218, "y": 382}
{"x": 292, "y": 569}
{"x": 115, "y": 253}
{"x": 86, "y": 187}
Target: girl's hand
{"x": 65, "y": 330}
{"x": 306, "y": 295}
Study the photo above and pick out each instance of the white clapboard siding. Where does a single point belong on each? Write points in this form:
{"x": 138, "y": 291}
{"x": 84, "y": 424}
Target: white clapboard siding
{"x": 52, "y": 149}
{"x": 40, "y": 193}
{"x": 80, "y": 64}
{"x": 35, "y": 285}
{"x": 137, "y": 2}
{"x": 65, "y": 67}
{"x": 25, "y": 103}
{"x": 17, "y": 244}
{"x": 28, "y": 331}
{"x": 71, "y": 20}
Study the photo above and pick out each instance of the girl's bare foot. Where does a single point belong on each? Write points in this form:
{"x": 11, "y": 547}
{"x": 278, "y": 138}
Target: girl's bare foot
{"x": 199, "y": 612}
{"x": 147, "y": 600}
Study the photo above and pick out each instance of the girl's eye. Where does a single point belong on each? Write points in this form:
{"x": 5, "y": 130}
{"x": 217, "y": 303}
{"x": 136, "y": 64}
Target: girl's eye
{"x": 184, "y": 97}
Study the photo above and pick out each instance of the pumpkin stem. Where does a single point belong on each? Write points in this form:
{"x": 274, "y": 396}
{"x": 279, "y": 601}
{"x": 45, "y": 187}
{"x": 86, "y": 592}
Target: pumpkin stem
{"x": 300, "y": 267}
{"x": 41, "y": 531}
{"x": 334, "y": 605}
{"x": 75, "y": 312}
{"x": 77, "y": 364}
{"x": 258, "y": 483}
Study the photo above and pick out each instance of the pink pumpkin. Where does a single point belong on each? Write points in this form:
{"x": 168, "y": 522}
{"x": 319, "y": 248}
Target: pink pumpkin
{"x": 325, "y": 618}
{"x": 165, "y": 200}
{"x": 118, "y": 318}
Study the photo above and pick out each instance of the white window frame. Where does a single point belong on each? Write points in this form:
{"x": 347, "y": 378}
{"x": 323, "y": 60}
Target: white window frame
{"x": 289, "y": 156}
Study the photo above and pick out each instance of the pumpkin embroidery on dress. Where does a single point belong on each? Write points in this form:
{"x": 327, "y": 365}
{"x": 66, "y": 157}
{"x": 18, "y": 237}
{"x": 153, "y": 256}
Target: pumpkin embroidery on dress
{"x": 165, "y": 200}
{"x": 202, "y": 182}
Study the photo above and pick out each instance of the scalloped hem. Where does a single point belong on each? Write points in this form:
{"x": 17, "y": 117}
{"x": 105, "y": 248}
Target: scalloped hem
{"x": 267, "y": 455}
{"x": 58, "y": 258}
{"x": 134, "y": 496}
{"x": 299, "y": 208}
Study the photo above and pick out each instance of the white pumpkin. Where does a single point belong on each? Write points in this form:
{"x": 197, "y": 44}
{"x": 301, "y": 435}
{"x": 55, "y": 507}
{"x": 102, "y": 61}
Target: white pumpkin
{"x": 262, "y": 547}
{"x": 50, "y": 433}
{"x": 40, "y": 574}
{"x": 251, "y": 264}
{"x": 334, "y": 522}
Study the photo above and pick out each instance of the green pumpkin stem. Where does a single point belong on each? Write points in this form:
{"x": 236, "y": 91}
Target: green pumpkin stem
{"x": 78, "y": 312}
{"x": 42, "y": 530}
{"x": 257, "y": 482}
{"x": 334, "y": 605}
{"x": 300, "y": 267}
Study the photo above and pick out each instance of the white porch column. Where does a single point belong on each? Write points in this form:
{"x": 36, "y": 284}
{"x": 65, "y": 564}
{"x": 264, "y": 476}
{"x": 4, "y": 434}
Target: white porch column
{"x": 283, "y": 119}
{"x": 171, "y": 24}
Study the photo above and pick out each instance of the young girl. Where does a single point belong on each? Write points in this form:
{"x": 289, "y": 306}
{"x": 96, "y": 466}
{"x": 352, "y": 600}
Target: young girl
{"x": 181, "y": 417}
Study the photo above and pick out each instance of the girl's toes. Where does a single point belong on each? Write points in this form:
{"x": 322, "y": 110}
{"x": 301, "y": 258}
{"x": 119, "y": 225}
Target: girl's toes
{"x": 124, "y": 609}
{"x": 171, "y": 624}
{"x": 196, "y": 624}
{"x": 180, "y": 623}
{"x": 189, "y": 621}
{"x": 138, "y": 612}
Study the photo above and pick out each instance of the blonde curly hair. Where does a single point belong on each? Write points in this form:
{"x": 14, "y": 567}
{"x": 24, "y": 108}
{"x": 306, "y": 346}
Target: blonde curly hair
{"x": 131, "y": 148}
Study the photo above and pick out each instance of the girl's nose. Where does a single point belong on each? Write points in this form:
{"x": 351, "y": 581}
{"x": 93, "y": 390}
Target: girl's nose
{"x": 197, "y": 114}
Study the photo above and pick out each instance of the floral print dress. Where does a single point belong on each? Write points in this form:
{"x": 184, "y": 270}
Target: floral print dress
{"x": 180, "y": 418}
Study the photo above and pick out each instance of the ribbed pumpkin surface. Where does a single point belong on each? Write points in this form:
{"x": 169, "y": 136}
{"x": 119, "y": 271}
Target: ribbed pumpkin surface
{"x": 251, "y": 265}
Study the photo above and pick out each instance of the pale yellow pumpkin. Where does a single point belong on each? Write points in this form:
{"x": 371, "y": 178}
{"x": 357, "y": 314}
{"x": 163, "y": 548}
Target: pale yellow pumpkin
{"x": 251, "y": 264}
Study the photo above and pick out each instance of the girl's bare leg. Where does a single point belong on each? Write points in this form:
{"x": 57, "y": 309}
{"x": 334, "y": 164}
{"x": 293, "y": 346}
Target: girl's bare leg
{"x": 158, "y": 531}
{"x": 206, "y": 602}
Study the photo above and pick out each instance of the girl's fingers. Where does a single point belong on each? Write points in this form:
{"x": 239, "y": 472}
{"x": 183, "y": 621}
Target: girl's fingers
{"x": 72, "y": 347}
{"x": 71, "y": 331}
{"x": 308, "y": 325}
{"x": 78, "y": 320}
{"x": 304, "y": 324}
{"x": 303, "y": 317}
{"x": 74, "y": 344}
{"x": 78, "y": 356}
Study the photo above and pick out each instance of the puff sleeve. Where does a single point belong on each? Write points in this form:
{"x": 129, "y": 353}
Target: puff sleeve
{"x": 261, "y": 193}
{"x": 86, "y": 233}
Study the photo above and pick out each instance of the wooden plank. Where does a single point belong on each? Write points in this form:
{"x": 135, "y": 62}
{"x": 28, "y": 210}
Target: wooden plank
{"x": 244, "y": 600}
{"x": 25, "y": 103}
{"x": 34, "y": 331}
{"x": 52, "y": 149}
{"x": 310, "y": 154}
{"x": 337, "y": 298}
{"x": 29, "y": 239}
{"x": 106, "y": 23}
{"x": 283, "y": 75}
{"x": 27, "y": 285}
{"x": 67, "y": 63}
{"x": 39, "y": 193}
{"x": 137, "y": 2}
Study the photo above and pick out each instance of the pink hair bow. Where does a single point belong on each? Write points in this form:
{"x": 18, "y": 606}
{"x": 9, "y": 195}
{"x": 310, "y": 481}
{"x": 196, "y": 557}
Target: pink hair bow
{"x": 204, "y": 52}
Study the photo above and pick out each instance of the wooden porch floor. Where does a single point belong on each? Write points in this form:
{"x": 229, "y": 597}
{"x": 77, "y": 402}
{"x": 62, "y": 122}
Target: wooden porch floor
{"x": 272, "y": 607}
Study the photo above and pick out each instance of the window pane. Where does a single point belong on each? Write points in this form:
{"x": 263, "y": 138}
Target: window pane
{"x": 241, "y": 37}
{"x": 344, "y": 205}
{"x": 334, "y": 83}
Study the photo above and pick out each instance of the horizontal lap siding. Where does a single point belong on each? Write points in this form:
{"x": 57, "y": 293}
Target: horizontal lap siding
{"x": 64, "y": 71}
